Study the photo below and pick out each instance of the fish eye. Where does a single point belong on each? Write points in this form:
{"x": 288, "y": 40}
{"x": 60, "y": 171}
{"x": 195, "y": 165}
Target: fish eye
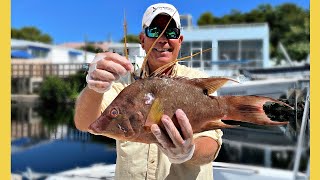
{"x": 114, "y": 112}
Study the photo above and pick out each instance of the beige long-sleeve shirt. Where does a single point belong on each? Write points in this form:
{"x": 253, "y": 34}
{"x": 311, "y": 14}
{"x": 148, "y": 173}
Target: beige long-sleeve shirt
{"x": 139, "y": 161}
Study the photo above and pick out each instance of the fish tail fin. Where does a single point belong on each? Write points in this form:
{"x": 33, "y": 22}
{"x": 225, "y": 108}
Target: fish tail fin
{"x": 250, "y": 109}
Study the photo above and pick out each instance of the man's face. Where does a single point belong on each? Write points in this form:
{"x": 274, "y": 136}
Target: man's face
{"x": 165, "y": 50}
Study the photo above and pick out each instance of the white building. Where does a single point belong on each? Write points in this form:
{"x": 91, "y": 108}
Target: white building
{"x": 69, "y": 52}
{"x": 22, "y": 49}
{"x": 135, "y": 52}
{"x": 233, "y": 46}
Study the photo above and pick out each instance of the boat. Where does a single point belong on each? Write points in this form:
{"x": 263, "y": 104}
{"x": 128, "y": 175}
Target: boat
{"x": 221, "y": 171}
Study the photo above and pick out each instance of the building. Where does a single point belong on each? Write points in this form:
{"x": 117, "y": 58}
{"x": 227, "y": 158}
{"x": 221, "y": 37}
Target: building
{"x": 47, "y": 53}
{"x": 186, "y": 21}
{"x": 33, "y": 61}
{"x": 233, "y": 46}
{"x": 135, "y": 52}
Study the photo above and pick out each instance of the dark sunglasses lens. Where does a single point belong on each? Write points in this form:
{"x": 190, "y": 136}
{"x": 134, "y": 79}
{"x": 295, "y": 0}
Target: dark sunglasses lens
{"x": 153, "y": 32}
{"x": 172, "y": 33}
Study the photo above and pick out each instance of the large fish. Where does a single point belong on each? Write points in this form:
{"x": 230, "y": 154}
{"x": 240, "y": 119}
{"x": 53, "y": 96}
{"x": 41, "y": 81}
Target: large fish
{"x": 143, "y": 102}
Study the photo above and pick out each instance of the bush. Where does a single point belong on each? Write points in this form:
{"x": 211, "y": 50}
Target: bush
{"x": 78, "y": 81}
{"x": 55, "y": 90}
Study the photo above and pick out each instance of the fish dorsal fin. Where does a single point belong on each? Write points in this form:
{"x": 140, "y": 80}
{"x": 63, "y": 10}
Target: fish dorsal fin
{"x": 155, "y": 113}
{"x": 211, "y": 85}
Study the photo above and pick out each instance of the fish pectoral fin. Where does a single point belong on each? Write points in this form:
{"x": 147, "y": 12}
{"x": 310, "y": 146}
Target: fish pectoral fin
{"x": 211, "y": 85}
{"x": 155, "y": 113}
{"x": 216, "y": 124}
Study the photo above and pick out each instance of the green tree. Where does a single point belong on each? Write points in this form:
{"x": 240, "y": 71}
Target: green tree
{"x": 263, "y": 13}
{"x": 30, "y": 33}
{"x": 55, "y": 90}
{"x": 236, "y": 16}
{"x": 206, "y": 18}
{"x": 91, "y": 48}
{"x": 131, "y": 38}
{"x": 293, "y": 24}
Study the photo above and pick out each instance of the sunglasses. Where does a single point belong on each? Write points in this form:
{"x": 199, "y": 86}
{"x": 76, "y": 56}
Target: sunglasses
{"x": 170, "y": 33}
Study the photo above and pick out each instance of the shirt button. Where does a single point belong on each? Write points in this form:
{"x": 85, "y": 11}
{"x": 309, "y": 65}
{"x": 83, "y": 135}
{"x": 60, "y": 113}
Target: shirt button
{"x": 152, "y": 161}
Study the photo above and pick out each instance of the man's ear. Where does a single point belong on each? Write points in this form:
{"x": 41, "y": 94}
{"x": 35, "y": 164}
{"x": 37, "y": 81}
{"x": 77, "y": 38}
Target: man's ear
{"x": 141, "y": 37}
{"x": 181, "y": 38}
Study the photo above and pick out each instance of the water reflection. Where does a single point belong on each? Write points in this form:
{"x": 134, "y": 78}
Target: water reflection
{"x": 44, "y": 139}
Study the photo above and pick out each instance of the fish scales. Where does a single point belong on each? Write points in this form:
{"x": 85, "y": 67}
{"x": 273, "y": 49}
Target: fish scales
{"x": 181, "y": 94}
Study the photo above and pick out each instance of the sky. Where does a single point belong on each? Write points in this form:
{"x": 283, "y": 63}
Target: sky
{"x": 102, "y": 20}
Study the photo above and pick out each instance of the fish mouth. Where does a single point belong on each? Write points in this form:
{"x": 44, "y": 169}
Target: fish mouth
{"x": 94, "y": 130}
{"x": 99, "y": 126}
{"x": 124, "y": 130}
{"x": 163, "y": 49}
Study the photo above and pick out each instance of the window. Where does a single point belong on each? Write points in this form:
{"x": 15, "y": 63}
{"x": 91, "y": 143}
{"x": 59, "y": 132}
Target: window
{"x": 39, "y": 52}
{"x": 207, "y": 56}
{"x": 198, "y": 56}
{"x": 228, "y": 50}
{"x": 196, "y": 44}
{"x": 185, "y": 50}
{"x": 184, "y": 22}
{"x": 73, "y": 55}
{"x": 240, "y": 50}
{"x": 251, "y": 49}
{"x": 202, "y": 60}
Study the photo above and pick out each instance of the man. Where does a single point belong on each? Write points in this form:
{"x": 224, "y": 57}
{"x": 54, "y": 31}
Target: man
{"x": 179, "y": 156}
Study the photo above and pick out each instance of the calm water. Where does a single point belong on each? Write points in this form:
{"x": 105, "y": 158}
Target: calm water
{"x": 58, "y": 155}
{"x": 45, "y": 140}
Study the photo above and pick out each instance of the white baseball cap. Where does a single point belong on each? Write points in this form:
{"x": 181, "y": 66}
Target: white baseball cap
{"x": 160, "y": 8}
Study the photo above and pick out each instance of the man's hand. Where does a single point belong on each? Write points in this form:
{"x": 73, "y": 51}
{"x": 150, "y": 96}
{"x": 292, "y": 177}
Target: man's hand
{"x": 179, "y": 149}
{"x": 106, "y": 68}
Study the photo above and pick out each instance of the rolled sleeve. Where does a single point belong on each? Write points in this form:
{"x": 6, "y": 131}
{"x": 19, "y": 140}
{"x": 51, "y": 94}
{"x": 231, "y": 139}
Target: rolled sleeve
{"x": 214, "y": 134}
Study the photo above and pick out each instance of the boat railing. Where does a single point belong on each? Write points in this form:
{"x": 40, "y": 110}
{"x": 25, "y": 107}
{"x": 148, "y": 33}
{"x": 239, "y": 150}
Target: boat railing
{"x": 301, "y": 138}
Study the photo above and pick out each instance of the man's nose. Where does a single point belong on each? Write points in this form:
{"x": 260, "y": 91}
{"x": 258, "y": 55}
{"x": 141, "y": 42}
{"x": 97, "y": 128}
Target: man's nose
{"x": 163, "y": 39}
